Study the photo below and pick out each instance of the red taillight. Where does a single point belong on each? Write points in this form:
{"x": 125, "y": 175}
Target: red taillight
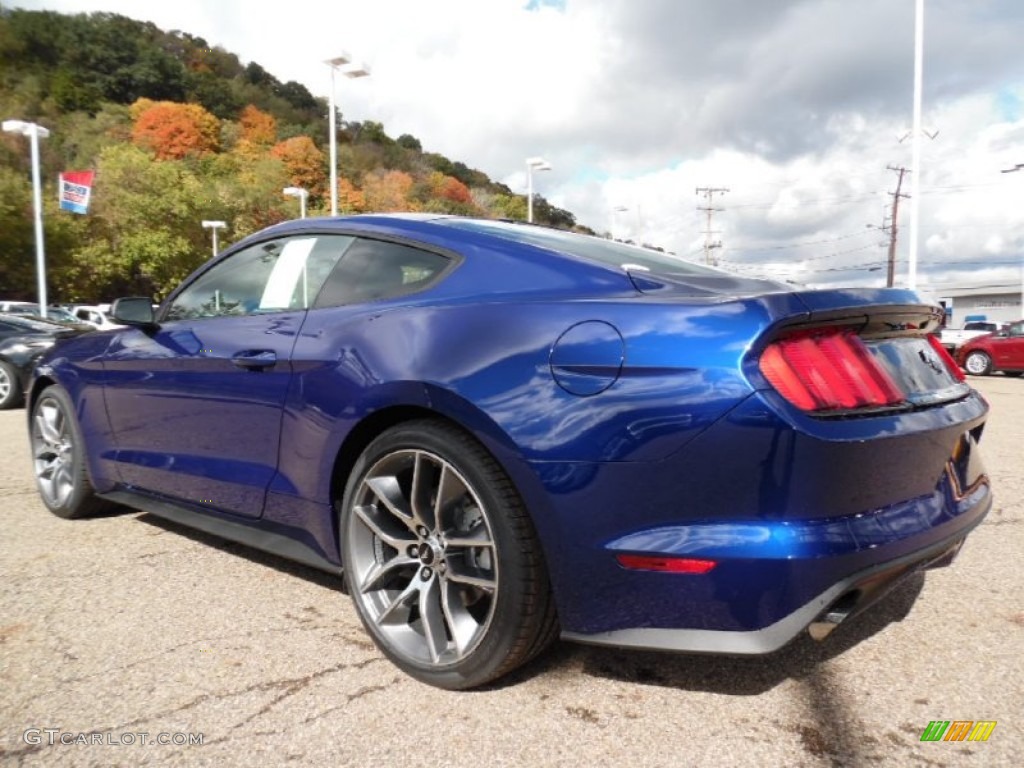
{"x": 946, "y": 358}
{"x": 829, "y": 371}
{"x": 665, "y": 564}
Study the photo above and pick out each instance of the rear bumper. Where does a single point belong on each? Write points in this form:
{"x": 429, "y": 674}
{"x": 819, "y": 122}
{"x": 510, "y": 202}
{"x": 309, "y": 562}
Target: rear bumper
{"x": 843, "y": 600}
{"x": 774, "y": 574}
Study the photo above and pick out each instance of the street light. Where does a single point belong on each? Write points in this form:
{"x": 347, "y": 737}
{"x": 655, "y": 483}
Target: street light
{"x": 214, "y": 226}
{"x": 300, "y": 193}
{"x": 915, "y": 162}
{"x": 533, "y": 164}
{"x": 34, "y": 133}
{"x": 615, "y": 210}
{"x": 343, "y": 63}
{"x": 1019, "y": 167}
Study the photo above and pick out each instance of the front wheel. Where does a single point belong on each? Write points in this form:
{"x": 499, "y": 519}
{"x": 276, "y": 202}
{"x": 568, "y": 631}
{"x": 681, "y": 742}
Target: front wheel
{"x": 978, "y": 363}
{"x": 441, "y": 558}
{"x": 58, "y": 456}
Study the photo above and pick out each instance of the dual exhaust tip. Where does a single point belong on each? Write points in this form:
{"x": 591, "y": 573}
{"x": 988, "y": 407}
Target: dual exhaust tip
{"x": 839, "y": 612}
{"x": 824, "y": 625}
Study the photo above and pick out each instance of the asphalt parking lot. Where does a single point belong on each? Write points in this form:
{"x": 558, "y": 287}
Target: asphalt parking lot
{"x": 126, "y": 629}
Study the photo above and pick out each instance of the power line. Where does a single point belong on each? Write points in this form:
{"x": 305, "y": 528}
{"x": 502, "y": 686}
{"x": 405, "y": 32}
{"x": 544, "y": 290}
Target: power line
{"x": 787, "y": 246}
{"x": 941, "y": 264}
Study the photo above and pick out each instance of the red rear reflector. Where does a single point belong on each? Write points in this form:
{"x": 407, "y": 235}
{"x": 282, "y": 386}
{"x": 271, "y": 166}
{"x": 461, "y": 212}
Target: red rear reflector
{"x": 829, "y": 371}
{"x": 665, "y": 564}
{"x": 946, "y": 358}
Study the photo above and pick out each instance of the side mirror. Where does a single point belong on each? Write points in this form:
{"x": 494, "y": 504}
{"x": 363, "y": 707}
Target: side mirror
{"x": 135, "y": 310}
{"x": 1002, "y": 334}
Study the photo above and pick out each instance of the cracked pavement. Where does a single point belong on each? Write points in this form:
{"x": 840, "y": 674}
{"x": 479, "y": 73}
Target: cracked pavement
{"x": 127, "y": 624}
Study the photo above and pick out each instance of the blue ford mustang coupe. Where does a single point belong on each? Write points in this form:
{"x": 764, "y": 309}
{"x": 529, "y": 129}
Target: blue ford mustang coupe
{"x": 500, "y": 434}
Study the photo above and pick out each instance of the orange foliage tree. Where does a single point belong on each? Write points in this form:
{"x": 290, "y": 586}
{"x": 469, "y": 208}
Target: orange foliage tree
{"x": 388, "y": 191}
{"x": 173, "y": 131}
{"x": 258, "y": 127}
{"x": 304, "y": 162}
{"x": 449, "y": 188}
{"x": 350, "y": 199}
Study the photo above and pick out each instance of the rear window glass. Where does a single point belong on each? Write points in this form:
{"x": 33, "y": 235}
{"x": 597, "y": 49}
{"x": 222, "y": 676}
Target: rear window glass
{"x": 373, "y": 269}
{"x": 584, "y": 246}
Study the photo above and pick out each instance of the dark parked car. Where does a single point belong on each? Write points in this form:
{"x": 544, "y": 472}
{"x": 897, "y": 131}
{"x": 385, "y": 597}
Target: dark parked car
{"x": 500, "y": 433}
{"x": 60, "y": 314}
{"x": 23, "y": 338}
{"x": 1001, "y": 351}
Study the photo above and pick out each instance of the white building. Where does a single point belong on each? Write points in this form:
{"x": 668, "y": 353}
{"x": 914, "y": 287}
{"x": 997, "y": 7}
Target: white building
{"x": 999, "y": 305}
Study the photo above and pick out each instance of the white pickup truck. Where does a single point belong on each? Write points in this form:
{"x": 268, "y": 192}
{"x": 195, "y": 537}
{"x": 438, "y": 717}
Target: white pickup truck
{"x": 952, "y": 338}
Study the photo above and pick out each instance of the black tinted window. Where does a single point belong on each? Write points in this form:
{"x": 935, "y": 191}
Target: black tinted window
{"x": 373, "y": 269}
{"x": 586, "y": 247}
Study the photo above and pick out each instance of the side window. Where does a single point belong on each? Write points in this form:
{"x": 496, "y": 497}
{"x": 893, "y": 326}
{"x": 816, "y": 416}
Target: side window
{"x": 275, "y": 276}
{"x": 1017, "y": 329}
{"x": 374, "y": 269}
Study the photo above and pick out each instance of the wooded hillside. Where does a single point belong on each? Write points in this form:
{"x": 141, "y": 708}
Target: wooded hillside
{"x": 179, "y": 131}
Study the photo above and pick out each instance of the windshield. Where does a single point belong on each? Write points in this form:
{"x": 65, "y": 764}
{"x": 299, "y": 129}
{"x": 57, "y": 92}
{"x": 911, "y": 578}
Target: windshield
{"x": 593, "y": 248}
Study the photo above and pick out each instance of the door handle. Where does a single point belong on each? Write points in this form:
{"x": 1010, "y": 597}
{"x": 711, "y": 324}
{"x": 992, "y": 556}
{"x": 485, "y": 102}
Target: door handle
{"x": 255, "y": 359}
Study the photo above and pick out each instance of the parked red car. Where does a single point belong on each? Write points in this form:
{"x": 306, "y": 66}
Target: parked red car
{"x": 1002, "y": 351}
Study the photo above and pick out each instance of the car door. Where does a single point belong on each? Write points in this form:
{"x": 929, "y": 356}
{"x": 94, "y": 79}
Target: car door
{"x": 1008, "y": 351}
{"x": 196, "y": 405}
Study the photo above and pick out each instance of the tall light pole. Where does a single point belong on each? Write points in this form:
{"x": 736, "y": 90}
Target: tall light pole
{"x": 1019, "y": 167}
{"x": 214, "y": 226}
{"x": 533, "y": 164}
{"x": 615, "y": 210}
{"x": 34, "y": 133}
{"x": 300, "y": 193}
{"x": 915, "y": 162}
{"x": 342, "y": 63}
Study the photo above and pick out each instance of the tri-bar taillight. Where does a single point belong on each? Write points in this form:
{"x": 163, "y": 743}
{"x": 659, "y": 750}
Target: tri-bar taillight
{"x": 946, "y": 358}
{"x": 828, "y": 370}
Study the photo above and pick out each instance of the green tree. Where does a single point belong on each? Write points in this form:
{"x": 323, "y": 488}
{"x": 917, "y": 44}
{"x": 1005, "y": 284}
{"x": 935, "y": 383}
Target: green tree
{"x": 144, "y": 232}
{"x": 410, "y": 142}
{"x": 17, "y": 243}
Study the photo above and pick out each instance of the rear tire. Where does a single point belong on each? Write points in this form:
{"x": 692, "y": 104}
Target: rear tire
{"x": 10, "y": 386}
{"x": 441, "y": 558}
{"x": 58, "y": 455}
{"x": 978, "y": 364}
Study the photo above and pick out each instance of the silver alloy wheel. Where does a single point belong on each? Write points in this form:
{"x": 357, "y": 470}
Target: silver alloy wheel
{"x": 53, "y": 453}
{"x": 421, "y": 558}
{"x": 977, "y": 363}
{"x": 5, "y": 384}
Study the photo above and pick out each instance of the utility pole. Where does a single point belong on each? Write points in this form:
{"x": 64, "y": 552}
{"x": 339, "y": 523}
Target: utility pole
{"x": 894, "y": 228}
{"x": 709, "y": 209}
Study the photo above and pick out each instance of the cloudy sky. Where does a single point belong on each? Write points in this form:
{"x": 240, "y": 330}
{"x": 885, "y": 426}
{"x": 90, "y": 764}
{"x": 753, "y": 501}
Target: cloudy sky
{"x": 797, "y": 107}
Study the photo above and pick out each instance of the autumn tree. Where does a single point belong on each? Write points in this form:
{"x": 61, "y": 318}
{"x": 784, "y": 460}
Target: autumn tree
{"x": 388, "y": 191}
{"x": 252, "y": 195}
{"x": 258, "y": 127}
{"x": 173, "y": 131}
{"x": 350, "y": 199}
{"x": 304, "y": 163}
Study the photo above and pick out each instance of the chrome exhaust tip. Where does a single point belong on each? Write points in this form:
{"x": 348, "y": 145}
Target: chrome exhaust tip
{"x": 826, "y": 623}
